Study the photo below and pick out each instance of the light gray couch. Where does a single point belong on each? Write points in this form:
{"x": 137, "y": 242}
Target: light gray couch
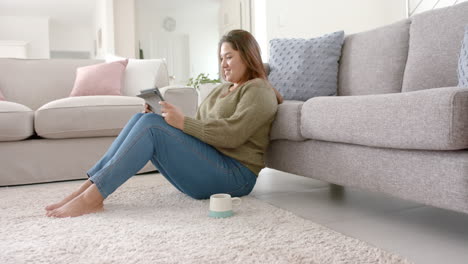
{"x": 47, "y": 136}
{"x": 399, "y": 124}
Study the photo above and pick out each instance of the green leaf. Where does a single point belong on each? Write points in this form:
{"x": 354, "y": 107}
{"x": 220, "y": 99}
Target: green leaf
{"x": 201, "y": 79}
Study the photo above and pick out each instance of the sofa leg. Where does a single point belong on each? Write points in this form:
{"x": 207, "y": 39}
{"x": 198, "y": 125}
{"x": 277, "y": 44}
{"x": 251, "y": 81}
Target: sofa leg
{"x": 337, "y": 192}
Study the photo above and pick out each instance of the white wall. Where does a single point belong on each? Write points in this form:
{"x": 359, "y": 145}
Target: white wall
{"x": 70, "y": 24}
{"x": 196, "y": 19}
{"x": 235, "y": 14}
{"x": 313, "y": 18}
{"x": 34, "y": 30}
{"x": 104, "y": 22}
{"x": 124, "y": 28}
{"x": 71, "y": 37}
{"x": 419, "y": 6}
{"x": 305, "y": 18}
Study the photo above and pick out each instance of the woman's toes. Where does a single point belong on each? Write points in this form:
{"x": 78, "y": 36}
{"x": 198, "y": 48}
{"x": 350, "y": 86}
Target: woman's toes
{"x": 49, "y": 213}
{"x": 57, "y": 213}
{"x": 51, "y": 207}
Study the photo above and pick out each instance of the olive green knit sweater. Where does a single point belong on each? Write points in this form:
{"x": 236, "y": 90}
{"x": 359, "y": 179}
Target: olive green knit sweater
{"x": 237, "y": 123}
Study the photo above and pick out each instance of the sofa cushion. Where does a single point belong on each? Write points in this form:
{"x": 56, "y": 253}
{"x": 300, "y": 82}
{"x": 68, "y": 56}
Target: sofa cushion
{"x": 463, "y": 62}
{"x": 434, "y": 119}
{"x": 373, "y": 62}
{"x": 142, "y": 74}
{"x": 288, "y": 121}
{"x": 17, "y": 121}
{"x": 184, "y": 97}
{"x": 86, "y": 116}
{"x": 435, "y": 38}
{"x": 303, "y": 68}
{"x": 100, "y": 79}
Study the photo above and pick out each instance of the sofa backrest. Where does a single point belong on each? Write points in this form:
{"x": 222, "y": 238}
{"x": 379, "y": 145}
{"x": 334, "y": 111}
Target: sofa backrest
{"x": 413, "y": 54}
{"x": 434, "y": 47}
{"x": 373, "y": 62}
{"x": 36, "y": 82}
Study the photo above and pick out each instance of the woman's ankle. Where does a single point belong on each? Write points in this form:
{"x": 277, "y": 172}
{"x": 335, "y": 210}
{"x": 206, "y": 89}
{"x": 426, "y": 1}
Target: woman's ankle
{"x": 92, "y": 194}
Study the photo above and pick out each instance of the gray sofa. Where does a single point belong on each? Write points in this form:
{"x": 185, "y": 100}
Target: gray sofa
{"x": 399, "y": 124}
{"x": 47, "y": 136}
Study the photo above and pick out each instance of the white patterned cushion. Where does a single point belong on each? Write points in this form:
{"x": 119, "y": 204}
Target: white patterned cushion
{"x": 463, "y": 62}
{"x": 304, "y": 68}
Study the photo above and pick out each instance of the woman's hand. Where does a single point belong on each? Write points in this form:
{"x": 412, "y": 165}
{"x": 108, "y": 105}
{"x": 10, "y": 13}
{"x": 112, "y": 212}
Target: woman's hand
{"x": 147, "y": 109}
{"x": 173, "y": 115}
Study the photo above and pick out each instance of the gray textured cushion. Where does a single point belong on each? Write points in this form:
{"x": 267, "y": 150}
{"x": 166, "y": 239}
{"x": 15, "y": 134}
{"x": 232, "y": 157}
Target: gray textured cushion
{"x": 435, "y": 38}
{"x": 304, "y": 68}
{"x": 463, "y": 62}
{"x": 434, "y": 119}
{"x": 373, "y": 62}
{"x": 287, "y": 124}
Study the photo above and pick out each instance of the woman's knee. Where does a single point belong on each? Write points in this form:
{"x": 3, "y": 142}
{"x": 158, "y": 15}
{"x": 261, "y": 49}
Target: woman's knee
{"x": 135, "y": 117}
{"x": 150, "y": 120}
{"x": 152, "y": 117}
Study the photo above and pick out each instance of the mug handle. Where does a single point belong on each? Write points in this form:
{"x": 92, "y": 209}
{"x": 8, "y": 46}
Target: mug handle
{"x": 236, "y": 201}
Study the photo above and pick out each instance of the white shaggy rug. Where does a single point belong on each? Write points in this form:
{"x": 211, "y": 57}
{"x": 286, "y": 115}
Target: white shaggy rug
{"x": 149, "y": 221}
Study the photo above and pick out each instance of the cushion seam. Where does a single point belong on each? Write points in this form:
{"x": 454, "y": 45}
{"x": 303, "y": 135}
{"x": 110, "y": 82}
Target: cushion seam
{"x": 90, "y": 130}
{"x": 16, "y": 135}
{"x": 17, "y": 112}
{"x": 452, "y": 117}
{"x": 299, "y": 116}
{"x": 72, "y": 107}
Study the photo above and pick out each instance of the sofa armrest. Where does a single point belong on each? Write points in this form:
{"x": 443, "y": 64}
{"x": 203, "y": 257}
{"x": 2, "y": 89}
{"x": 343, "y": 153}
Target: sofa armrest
{"x": 185, "y": 97}
{"x": 287, "y": 123}
{"x": 433, "y": 119}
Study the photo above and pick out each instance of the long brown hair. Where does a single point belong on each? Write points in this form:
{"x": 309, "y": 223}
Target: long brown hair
{"x": 249, "y": 50}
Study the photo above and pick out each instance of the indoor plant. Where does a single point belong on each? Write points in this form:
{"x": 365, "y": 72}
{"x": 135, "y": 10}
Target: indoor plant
{"x": 202, "y": 78}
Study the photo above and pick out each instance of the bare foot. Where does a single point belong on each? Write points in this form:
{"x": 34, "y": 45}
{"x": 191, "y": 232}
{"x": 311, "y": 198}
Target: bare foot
{"x": 70, "y": 197}
{"x": 88, "y": 202}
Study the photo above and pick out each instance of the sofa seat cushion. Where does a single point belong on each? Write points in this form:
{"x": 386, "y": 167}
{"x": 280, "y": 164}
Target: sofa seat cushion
{"x": 86, "y": 116}
{"x": 287, "y": 122}
{"x": 434, "y": 119}
{"x": 17, "y": 121}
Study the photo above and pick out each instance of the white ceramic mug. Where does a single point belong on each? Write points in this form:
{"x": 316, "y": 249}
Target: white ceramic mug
{"x": 221, "y": 205}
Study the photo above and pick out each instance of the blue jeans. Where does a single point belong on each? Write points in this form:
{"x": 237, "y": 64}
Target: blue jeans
{"x": 192, "y": 166}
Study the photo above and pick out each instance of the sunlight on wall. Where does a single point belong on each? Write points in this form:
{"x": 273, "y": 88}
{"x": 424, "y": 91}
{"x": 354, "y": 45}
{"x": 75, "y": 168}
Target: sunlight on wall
{"x": 419, "y": 6}
{"x": 260, "y": 27}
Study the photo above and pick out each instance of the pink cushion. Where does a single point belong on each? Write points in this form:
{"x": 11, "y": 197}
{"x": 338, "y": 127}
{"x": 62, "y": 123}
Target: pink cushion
{"x": 2, "y": 98}
{"x": 99, "y": 79}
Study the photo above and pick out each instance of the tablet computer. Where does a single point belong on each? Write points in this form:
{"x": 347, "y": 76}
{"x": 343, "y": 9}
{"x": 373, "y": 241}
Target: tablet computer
{"x": 152, "y": 97}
